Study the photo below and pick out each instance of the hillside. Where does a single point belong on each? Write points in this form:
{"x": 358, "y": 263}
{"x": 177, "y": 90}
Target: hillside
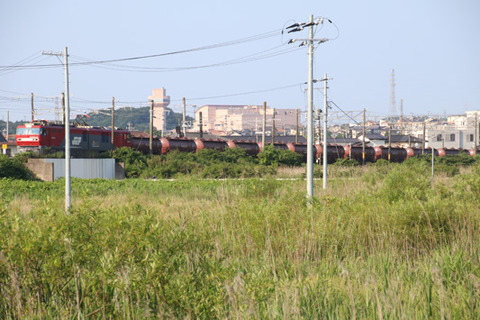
{"x": 137, "y": 118}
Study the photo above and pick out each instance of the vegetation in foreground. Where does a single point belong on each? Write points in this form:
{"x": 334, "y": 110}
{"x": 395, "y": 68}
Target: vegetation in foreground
{"x": 382, "y": 242}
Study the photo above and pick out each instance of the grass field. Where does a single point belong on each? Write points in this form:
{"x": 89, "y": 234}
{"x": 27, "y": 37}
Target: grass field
{"x": 383, "y": 242}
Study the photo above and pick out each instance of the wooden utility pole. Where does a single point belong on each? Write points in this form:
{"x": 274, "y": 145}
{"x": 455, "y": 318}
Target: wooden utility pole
{"x": 296, "y": 129}
{"x": 113, "y": 121}
{"x": 201, "y": 124}
{"x": 264, "y": 124}
{"x": 150, "y": 144}
{"x": 33, "y": 108}
{"x": 423, "y": 138}
{"x": 63, "y": 107}
{"x": 363, "y": 138}
{"x": 273, "y": 127}
{"x": 475, "y": 134}
{"x": 184, "y": 112}
{"x": 389, "y": 141}
{"x": 8, "y": 120}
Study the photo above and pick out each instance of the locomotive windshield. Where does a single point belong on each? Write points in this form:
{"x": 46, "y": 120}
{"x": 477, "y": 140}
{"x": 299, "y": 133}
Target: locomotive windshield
{"x": 23, "y": 131}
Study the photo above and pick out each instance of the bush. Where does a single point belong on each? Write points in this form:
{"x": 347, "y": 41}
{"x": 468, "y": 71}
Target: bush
{"x": 13, "y": 168}
{"x": 346, "y": 162}
{"x": 135, "y": 161}
{"x": 274, "y": 157}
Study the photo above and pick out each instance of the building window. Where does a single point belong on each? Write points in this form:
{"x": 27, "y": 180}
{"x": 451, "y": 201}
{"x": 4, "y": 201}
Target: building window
{"x": 452, "y": 137}
{"x": 470, "y": 138}
{"x": 439, "y": 137}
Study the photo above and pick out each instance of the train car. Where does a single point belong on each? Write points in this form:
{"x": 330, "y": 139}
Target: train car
{"x": 355, "y": 152}
{"x": 250, "y": 147}
{"x": 392, "y": 154}
{"x": 44, "y": 137}
{"x": 180, "y": 144}
{"x": 211, "y": 144}
{"x": 334, "y": 152}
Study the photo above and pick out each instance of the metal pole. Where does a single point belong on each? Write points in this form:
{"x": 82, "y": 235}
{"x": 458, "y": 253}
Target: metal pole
{"x": 389, "y": 141}
{"x": 201, "y": 124}
{"x": 273, "y": 127}
{"x": 33, "y": 108}
{"x": 63, "y": 107}
{"x": 363, "y": 139}
{"x": 67, "y": 136}
{"x": 475, "y": 135}
{"x": 184, "y": 111}
{"x": 264, "y": 124}
{"x": 325, "y": 146}
{"x": 309, "y": 175}
{"x": 433, "y": 159}
{"x": 423, "y": 140}
{"x": 113, "y": 122}
{"x": 296, "y": 129}
{"x": 8, "y": 120}
{"x": 150, "y": 143}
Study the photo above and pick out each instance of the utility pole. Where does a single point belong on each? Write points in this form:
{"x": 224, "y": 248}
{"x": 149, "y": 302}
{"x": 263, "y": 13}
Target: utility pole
{"x": 264, "y": 124}
{"x": 389, "y": 141}
{"x": 310, "y": 115}
{"x": 363, "y": 138}
{"x": 33, "y": 108}
{"x": 63, "y": 107}
{"x": 113, "y": 121}
{"x": 273, "y": 127}
{"x": 184, "y": 112}
{"x": 325, "y": 117}
{"x": 296, "y": 128}
{"x": 201, "y": 124}
{"x": 423, "y": 138}
{"x": 475, "y": 134}
{"x": 8, "y": 120}
{"x": 150, "y": 142}
{"x": 66, "y": 100}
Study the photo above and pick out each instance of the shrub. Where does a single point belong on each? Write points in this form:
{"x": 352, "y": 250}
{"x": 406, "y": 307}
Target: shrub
{"x": 13, "y": 168}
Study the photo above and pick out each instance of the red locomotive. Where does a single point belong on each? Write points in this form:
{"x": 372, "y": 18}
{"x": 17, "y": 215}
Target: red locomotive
{"x": 44, "y": 137}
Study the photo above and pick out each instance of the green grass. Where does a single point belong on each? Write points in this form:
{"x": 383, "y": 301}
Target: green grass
{"x": 381, "y": 242}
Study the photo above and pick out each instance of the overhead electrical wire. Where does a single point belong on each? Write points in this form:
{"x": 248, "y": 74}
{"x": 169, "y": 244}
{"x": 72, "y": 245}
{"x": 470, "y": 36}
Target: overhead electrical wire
{"x": 262, "y": 36}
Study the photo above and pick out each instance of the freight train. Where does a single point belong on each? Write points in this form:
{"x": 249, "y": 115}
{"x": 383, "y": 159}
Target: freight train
{"x": 42, "y": 136}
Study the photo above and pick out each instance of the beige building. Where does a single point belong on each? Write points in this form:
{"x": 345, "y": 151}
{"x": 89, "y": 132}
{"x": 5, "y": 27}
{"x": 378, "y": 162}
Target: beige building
{"x": 160, "y": 103}
{"x": 229, "y": 118}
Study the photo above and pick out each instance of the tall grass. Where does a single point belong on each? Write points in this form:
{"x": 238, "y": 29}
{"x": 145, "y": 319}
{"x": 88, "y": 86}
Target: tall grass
{"x": 381, "y": 242}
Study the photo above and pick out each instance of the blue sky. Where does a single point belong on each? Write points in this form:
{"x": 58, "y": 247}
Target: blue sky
{"x": 433, "y": 45}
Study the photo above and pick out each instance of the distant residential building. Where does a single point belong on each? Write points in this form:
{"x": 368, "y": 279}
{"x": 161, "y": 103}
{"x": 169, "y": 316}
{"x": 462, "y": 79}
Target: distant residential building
{"x": 239, "y": 118}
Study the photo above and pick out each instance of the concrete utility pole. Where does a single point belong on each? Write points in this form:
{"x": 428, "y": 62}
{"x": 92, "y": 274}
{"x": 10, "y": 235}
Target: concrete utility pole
{"x": 325, "y": 146}
{"x": 264, "y": 124}
{"x": 113, "y": 121}
{"x": 150, "y": 143}
{"x": 33, "y": 108}
{"x": 273, "y": 127}
{"x": 66, "y": 100}
{"x": 363, "y": 138}
{"x": 310, "y": 114}
{"x": 184, "y": 112}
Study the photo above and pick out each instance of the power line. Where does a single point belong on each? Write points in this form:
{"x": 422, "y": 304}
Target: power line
{"x": 94, "y": 62}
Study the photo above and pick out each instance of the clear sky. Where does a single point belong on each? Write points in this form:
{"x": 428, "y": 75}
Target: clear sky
{"x": 433, "y": 45}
